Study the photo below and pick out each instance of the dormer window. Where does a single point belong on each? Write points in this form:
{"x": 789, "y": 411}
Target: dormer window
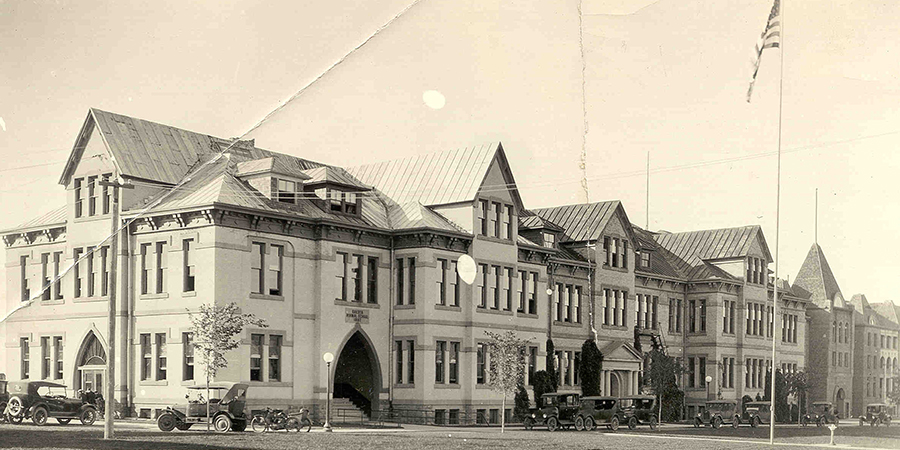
{"x": 286, "y": 191}
{"x": 645, "y": 259}
{"x": 338, "y": 200}
{"x": 549, "y": 240}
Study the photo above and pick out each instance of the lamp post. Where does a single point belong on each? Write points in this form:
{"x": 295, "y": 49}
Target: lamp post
{"x": 328, "y": 357}
{"x": 708, "y": 382}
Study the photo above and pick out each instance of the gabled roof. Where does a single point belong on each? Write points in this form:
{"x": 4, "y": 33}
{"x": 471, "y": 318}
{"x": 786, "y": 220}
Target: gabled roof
{"x": 441, "y": 178}
{"x": 888, "y": 310}
{"x": 531, "y": 221}
{"x": 414, "y": 215}
{"x": 660, "y": 258}
{"x": 816, "y": 279}
{"x": 725, "y": 243}
{"x": 272, "y": 164}
{"x": 585, "y": 221}
{"x": 334, "y": 175}
{"x": 609, "y": 349}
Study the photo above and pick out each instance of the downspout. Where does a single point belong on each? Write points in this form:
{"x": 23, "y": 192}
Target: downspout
{"x": 387, "y": 217}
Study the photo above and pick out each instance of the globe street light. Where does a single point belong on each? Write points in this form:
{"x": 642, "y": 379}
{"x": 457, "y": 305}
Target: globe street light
{"x": 328, "y": 357}
{"x": 708, "y": 382}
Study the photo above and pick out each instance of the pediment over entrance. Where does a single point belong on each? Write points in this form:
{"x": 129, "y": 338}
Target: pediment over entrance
{"x": 619, "y": 351}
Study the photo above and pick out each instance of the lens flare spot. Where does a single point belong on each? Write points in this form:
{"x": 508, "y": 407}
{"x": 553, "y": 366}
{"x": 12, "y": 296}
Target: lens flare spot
{"x": 434, "y": 99}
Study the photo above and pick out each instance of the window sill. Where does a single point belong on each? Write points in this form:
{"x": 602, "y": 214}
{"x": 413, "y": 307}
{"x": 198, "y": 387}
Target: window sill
{"x": 525, "y": 315}
{"x": 482, "y": 386}
{"x": 189, "y": 294}
{"x": 697, "y": 334}
{"x": 404, "y": 386}
{"x": 188, "y": 382}
{"x": 340, "y": 302}
{"x": 614, "y": 327}
{"x": 95, "y": 217}
{"x": 154, "y": 296}
{"x": 154, "y": 383}
{"x": 447, "y": 386}
{"x": 482, "y": 237}
{"x": 413, "y": 306}
{"x": 447, "y": 308}
{"x": 90, "y": 299}
{"x": 275, "y": 298}
{"x": 53, "y": 302}
{"x": 567, "y": 324}
{"x": 498, "y": 312}
{"x": 271, "y": 383}
{"x": 615, "y": 269}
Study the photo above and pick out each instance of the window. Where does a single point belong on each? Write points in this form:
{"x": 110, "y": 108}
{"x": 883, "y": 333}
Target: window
{"x": 607, "y": 242}
{"x": 286, "y": 191}
{"x": 398, "y": 349}
{"x": 576, "y": 364}
{"x": 79, "y": 277}
{"x": 454, "y": 363}
{"x": 400, "y": 278}
{"x": 504, "y": 222}
{"x": 57, "y": 286}
{"x": 702, "y": 370}
{"x": 146, "y": 356}
{"x": 411, "y": 263}
{"x": 495, "y": 219}
{"x": 532, "y": 364}
{"x": 690, "y": 372}
{"x": 91, "y": 271}
{"x": 557, "y": 304}
{"x": 106, "y": 195}
{"x": 45, "y": 357}
{"x": 702, "y": 315}
{"x": 655, "y": 316}
{"x": 454, "y": 283}
{"x": 671, "y": 315}
{"x": 522, "y": 290}
{"x": 615, "y": 253}
{"x": 509, "y": 224}
{"x": 483, "y": 217}
{"x": 481, "y": 284}
{"x": 645, "y": 259}
{"x": 25, "y": 357}
{"x": 357, "y": 273}
{"x": 187, "y": 343}
{"x": 266, "y": 268}
{"x": 692, "y": 316}
{"x": 257, "y": 253}
{"x": 624, "y": 253}
{"x": 256, "y": 352}
{"x": 274, "y": 358}
{"x": 58, "y": 357}
{"x": 439, "y": 350}
{"x": 92, "y": 195}
{"x": 104, "y": 271}
{"x": 607, "y": 305}
{"x": 567, "y": 295}
{"x": 442, "y": 283}
{"x": 495, "y": 287}
{"x": 145, "y": 270}
{"x": 23, "y": 264}
{"x": 189, "y": 266}
{"x": 508, "y": 289}
{"x": 78, "y": 198}
{"x": 481, "y": 363}
{"x": 160, "y": 356}
{"x": 624, "y": 308}
{"x": 335, "y": 200}
{"x": 372, "y": 288}
{"x": 577, "y": 304}
{"x": 532, "y": 295}
{"x": 160, "y": 267}
{"x": 411, "y": 363}
{"x": 549, "y": 240}
{"x": 45, "y": 276}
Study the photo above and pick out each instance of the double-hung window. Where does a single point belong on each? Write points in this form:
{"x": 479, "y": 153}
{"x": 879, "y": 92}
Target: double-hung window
{"x": 25, "y": 358}
{"x": 256, "y": 356}
{"x": 453, "y": 378}
{"x": 439, "y": 349}
{"x": 189, "y": 265}
{"x": 187, "y": 343}
{"x": 160, "y": 356}
{"x": 274, "y": 358}
{"x": 23, "y": 272}
{"x": 146, "y": 356}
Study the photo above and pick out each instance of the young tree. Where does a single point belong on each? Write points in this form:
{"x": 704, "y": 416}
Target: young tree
{"x": 507, "y": 354}
{"x": 216, "y": 330}
{"x": 661, "y": 376}
{"x": 589, "y": 371}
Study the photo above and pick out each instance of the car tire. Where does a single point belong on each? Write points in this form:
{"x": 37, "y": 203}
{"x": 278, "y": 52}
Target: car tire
{"x": 258, "y": 424}
{"x": 735, "y": 422}
{"x": 804, "y": 422}
{"x": 589, "y": 424}
{"x": 820, "y": 422}
{"x": 717, "y": 422}
{"x": 632, "y": 423}
{"x": 16, "y": 406}
{"x": 654, "y": 425}
{"x": 222, "y": 423}
{"x": 181, "y": 426}
{"x": 40, "y": 416}
{"x": 755, "y": 422}
{"x": 579, "y": 423}
{"x": 166, "y": 422}
{"x": 614, "y": 423}
{"x": 552, "y": 424}
{"x": 14, "y": 419}
{"x": 63, "y": 421}
{"x": 88, "y": 416}
{"x": 698, "y": 423}
{"x": 529, "y": 423}
{"x": 862, "y": 421}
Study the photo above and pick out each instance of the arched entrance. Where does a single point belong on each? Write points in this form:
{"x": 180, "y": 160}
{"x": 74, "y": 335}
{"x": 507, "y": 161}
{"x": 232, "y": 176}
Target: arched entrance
{"x": 357, "y": 374}
{"x": 840, "y": 404}
{"x": 90, "y": 364}
{"x": 615, "y": 385}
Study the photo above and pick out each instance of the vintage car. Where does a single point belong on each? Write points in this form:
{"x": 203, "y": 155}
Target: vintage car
{"x": 876, "y": 414}
{"x": 4, "y": 397}
{"x": 559, "y": 410}
{"x": 757, "y": 413}
{"x": 599, "y": 411}
{"x": 226, "y": 409}
{"x": 640, "y": 410}
{"x": 820, "y": 413}
{"x": 41, "y": 400}
{"x": 718, "y": 412}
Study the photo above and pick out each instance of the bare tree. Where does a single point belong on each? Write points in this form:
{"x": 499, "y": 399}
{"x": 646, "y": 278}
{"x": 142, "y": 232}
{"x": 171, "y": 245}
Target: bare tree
{"x": 507, "y": 372}
{"x": 215, "y": 330}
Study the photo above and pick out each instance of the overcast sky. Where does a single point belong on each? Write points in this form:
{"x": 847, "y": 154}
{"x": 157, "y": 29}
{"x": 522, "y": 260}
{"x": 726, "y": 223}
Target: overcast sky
{"x": 666, "y": 77}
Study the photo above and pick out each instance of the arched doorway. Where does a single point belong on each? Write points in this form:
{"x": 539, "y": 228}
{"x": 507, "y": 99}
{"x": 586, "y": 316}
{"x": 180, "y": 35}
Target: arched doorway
{"x": 357, "y": 374}
{"x": 840, "y": 404}
{"x": 614, "y": 385}
{"x": 90, "y": 364}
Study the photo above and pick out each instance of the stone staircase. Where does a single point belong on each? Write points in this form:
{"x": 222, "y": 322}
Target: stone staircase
{"x": 343, "y": 410}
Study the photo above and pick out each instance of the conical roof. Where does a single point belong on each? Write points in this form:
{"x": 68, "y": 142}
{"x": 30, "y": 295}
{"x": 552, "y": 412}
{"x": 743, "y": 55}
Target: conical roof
{"x": 816, "y": 279}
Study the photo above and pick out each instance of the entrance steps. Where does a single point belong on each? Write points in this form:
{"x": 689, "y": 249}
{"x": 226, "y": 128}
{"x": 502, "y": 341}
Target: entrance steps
{"x": 343, "y": 410}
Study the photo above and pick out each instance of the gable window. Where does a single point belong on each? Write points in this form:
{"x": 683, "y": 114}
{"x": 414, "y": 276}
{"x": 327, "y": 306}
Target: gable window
{"x": 286, "y": 191}
{"x": 509, "y": 223}
{"x": 482, "y": 215}
{"x": 495, "y": 219}
{"x": 106, "y": 194}
{"x": 25, "y": 357}
{"x": 549, "y": 240}
{"x": 92, "y": 196}
{"x": 78, "y": 199}
{"x": 645, "y": 259}
{"x": 189, "y": 265}
{"x": 187, "y": 342}
{"x": 23, "y": 264}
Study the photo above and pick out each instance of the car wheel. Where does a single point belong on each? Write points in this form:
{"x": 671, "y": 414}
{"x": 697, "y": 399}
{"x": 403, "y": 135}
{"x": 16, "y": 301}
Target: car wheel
{"x": 820, "y": 422}
{"x": 181, "y": 426}
{"x": 166, "y": 422}
{"x": 589, "y": 424}
{"x": 632, "y": 423}
{"x": 16, "y": 407}
{"x": 39, "y": 416}
{"x": 804, "y": 422}
{"x": 874, "y": 423}
{"x": 14, "y": 419}
{"x": 614, "y": 424}
{"x": 755, "y": 423}
{"x": 862, "y": 421}
{"x": 717, "y": 422}
{"x": 552, "y": 424}
{"x": 579, "y": 423}
{"x": 735, "y": 422}
{"x": 529, "y": 423}
{"x": 697, "y": 423}
{"x": 88, "y": 416}
{"x": 653, "y": 423}
{"x": 63, "y": 421}
{"x": 258, "y": 424}
{"x": 222, "y": 423}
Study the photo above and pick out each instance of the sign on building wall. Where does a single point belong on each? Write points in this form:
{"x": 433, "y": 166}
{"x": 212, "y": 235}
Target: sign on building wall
{"x": 357, "y": 315}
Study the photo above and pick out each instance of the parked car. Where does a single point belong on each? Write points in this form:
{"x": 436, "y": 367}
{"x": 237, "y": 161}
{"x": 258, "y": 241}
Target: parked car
{"x": 596, "y": 411}
{"x": 876, "y": 414}
{"x": 226, "y": 412}
{"x": 717, "y": 413}
{"x": 41, "y": 400}
{"x": 757, "y": 413}
{"x": 559, "y": 410}
{"x": 820, "y": 413}
{"x": 640, "y": 410}
{"x": 4, "y": 398}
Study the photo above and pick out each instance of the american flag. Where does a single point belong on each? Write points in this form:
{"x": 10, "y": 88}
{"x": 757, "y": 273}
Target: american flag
{"x": 770, "y": 37}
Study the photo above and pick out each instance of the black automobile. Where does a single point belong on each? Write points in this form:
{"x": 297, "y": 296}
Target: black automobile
{"x": 820, "y": 413}
{"x": 596, "y": 411}
{"x": 640, "y": 410}
{"x": 42, "y": 400}
{"x": 559, "y": 411}
{"x": 4, "y": 398}
{"x": 717, "y": 413}
{"x": 226, "y": 412}
{"x": 757, "y": 413}
{"x": 876, "y": 414}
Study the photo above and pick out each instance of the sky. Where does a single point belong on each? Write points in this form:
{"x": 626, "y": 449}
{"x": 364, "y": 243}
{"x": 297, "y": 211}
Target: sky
{"x": 623, "y": 80}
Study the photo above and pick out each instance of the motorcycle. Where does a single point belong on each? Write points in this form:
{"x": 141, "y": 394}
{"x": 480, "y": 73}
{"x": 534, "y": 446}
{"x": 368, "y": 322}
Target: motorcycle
{"x": 277, "y": 419}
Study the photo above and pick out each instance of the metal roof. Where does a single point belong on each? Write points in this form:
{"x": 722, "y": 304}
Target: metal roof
{"x": 54, "y": 217}
{"x": 695, "y": 246}
{"x": 441, "y": 178}
{"x": 330, "y": 174}
{"x": 815, "y": 277}
{"x": 582, "y": 222}
{"x": 531, "y": 221}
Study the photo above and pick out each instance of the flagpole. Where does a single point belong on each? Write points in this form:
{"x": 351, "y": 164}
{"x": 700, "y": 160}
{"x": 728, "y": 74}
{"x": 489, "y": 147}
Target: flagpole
{"x": 777, "y": 230}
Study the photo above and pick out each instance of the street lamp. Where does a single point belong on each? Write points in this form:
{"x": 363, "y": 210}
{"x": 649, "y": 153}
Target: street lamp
{"x": 708, "y": 382}
{"x": 328, "y": 357}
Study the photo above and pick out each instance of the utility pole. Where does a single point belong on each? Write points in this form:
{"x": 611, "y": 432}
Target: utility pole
{"x": 108, "y": 432}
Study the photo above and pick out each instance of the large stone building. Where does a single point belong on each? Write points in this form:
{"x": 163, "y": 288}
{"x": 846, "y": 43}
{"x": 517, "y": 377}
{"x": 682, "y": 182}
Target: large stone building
{"x": 875, "y": 353}
{"x": 361, "y": 262}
